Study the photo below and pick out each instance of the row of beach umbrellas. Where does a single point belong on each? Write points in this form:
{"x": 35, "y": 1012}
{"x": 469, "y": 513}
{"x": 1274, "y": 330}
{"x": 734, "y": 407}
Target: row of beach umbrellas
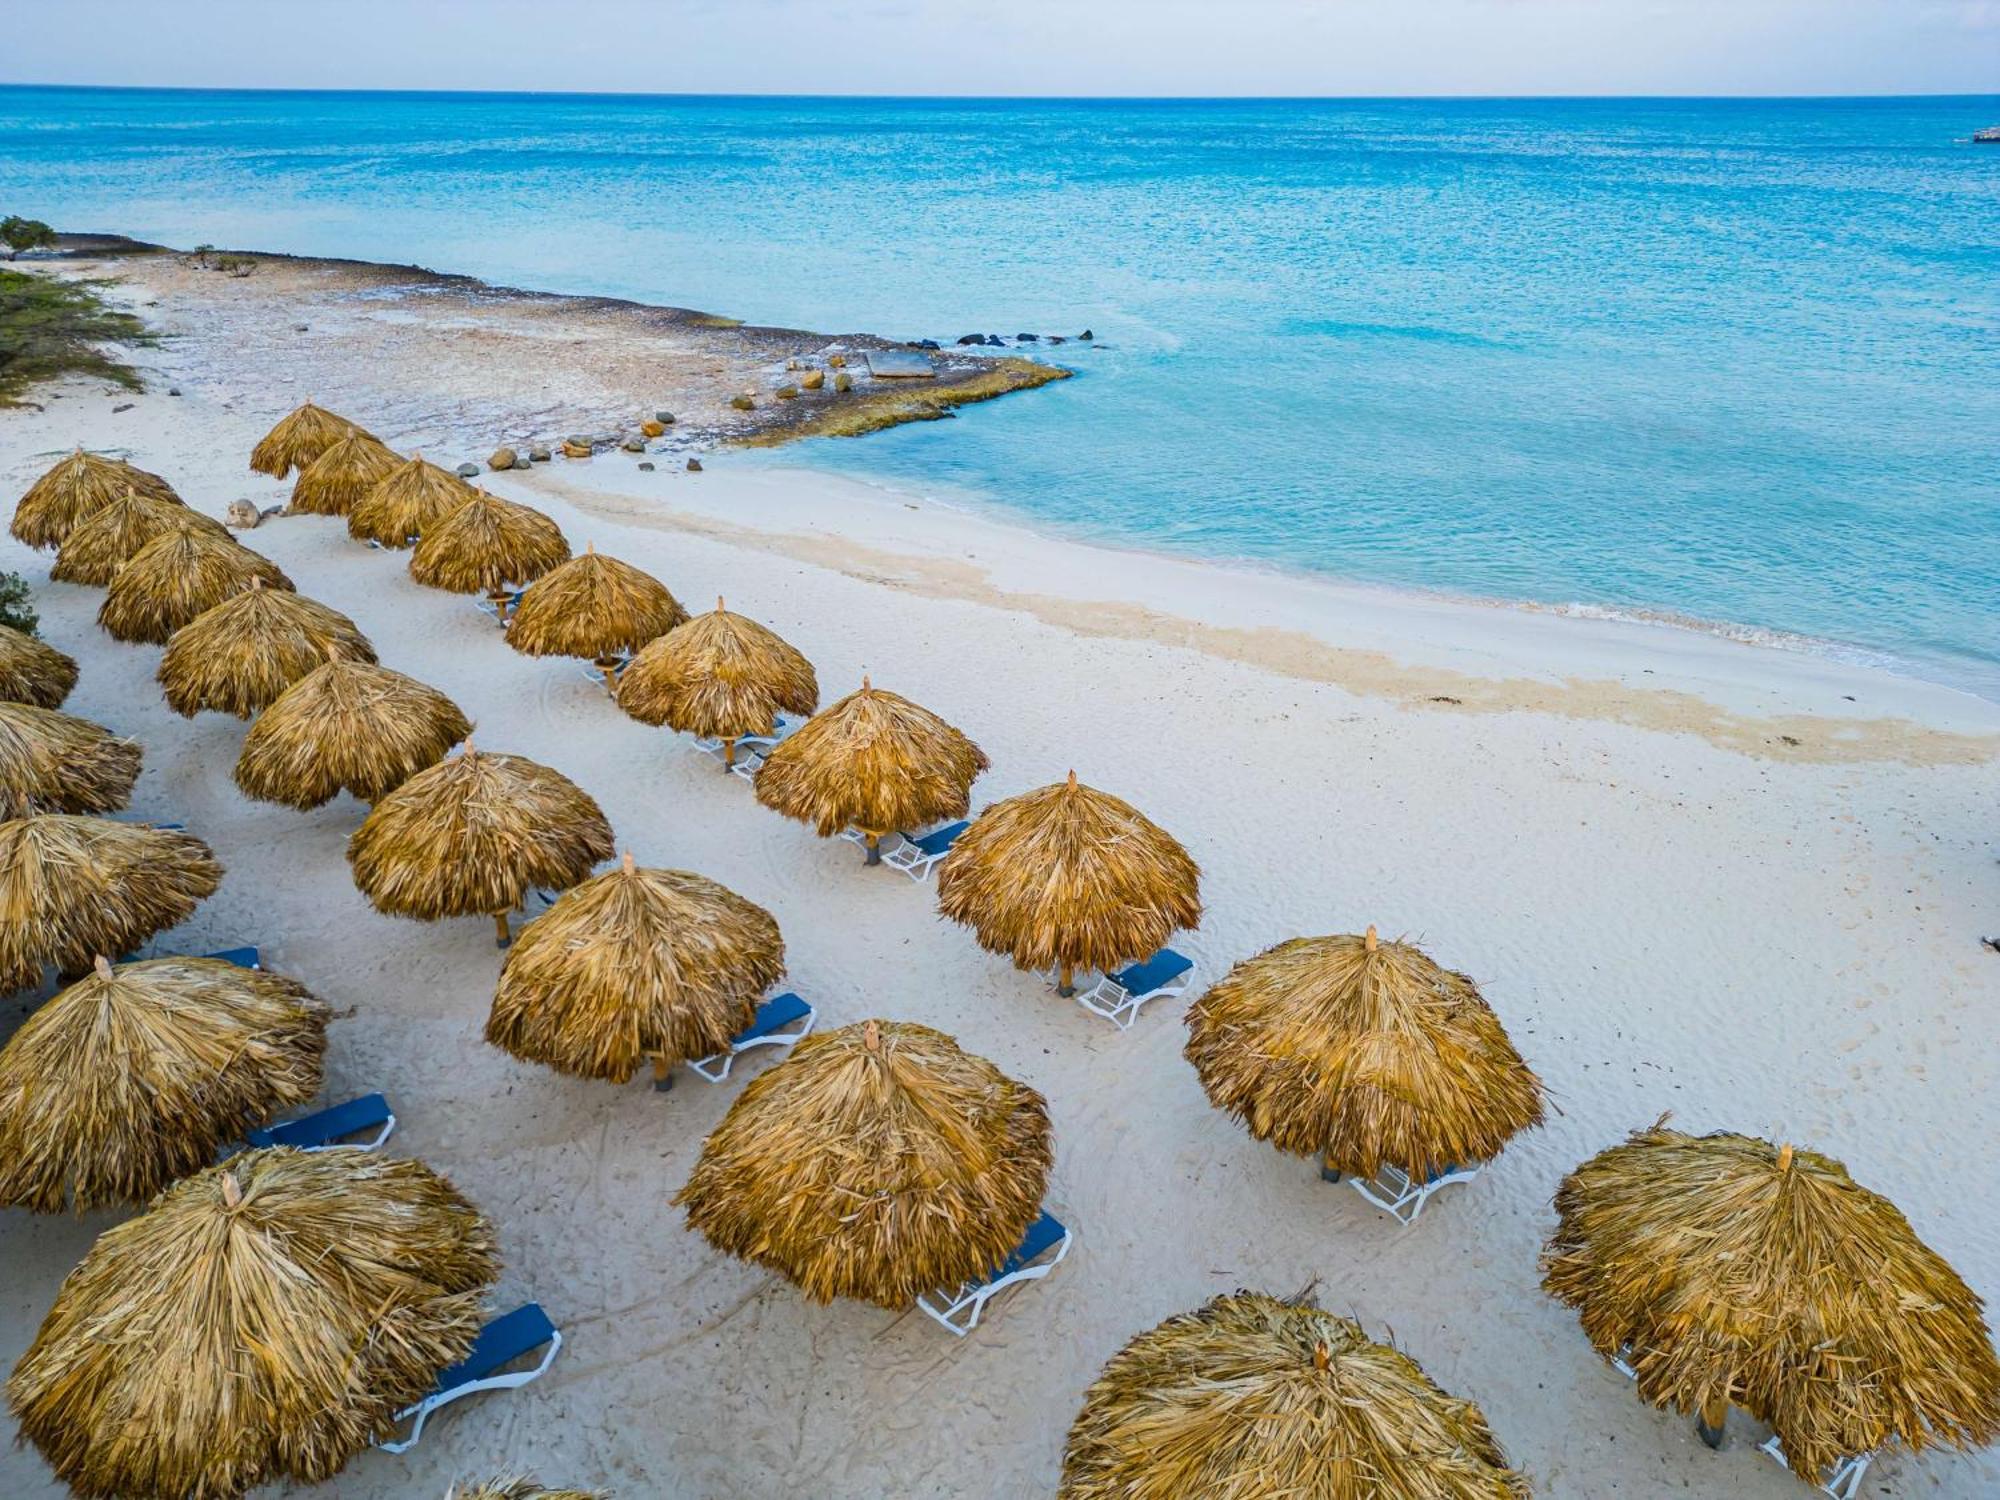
{"x": 881, "y": 1160}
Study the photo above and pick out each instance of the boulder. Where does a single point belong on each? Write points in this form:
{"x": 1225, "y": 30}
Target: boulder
{"x": 791, "y": 364}
{"x": 694, "y": 466}
{"x": 1027, "y": 338}
{"x": 926, "y": 344}
{"x": 787, "y": 393}
{"x": 539, "y": 454}
{"x": 664, "y": 418}
{"x": 652, "y": 429}
{"x": 972, "y": 338}
{"x": 241, "y": 515}
{"x": 173, "y": 390}
{"x": 503, "y": 458}
{"x": 1086, "y": 336}
{"x": 813, "y": 380}
{"x": 645, "y": 468}
{"x": 743, "y": 401}
{"x": 843, "y": 381}
{"x": 576, "y": 450}
{"x": 836, "y": 361}
{"x": 634, "y": 444}
{"x": 468, "y": 471}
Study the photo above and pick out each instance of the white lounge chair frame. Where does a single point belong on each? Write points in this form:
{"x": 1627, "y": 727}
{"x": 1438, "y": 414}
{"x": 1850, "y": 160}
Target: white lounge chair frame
{"x": 1844, "y": 1483}
{"x": 715, "y": 1068}
{"x": 911, "y": 860}
{"x": 1401, "y": 1196}
{"x": 1118, "y": 1005}
{"x": 753, "y": 744}
{"x": 969, "y": 1301}
{"x": 423, "y": 1409}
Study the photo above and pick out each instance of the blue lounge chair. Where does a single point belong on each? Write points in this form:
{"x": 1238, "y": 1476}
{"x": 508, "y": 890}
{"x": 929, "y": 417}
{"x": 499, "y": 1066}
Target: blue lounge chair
{"x": 958, "y": 1311}
{"x": 331, "y": 1127}
{"x": 500, "y": 1343}
{"x": 749, "y": 746}
{"x": 243, "y": 958}
{"x": 1117, "y": 997}
{"x": 494, "y": 610}
{"x": 1844, "y": 1480}
{"x": 915, "y": 856}
{"x": 1397, "y": 1193}
{"x": 767, "y": 1029}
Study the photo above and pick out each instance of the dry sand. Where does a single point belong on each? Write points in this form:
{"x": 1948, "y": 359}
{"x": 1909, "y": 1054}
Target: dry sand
{"x": 1691, "y": 876}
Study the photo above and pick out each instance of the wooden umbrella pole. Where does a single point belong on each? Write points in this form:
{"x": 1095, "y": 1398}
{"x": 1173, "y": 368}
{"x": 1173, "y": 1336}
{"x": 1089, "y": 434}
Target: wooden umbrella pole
{"x": 874, "y": 847}
{"x": 1066, "y": 980}
{"x": 502, "y": 934}
{"x": 1714, "y": 1412}
{"x": 1328, "y": 1172}
{"x": 728, "y": 755}
{"x": 608, "y": 665}
{"x": 663, "y": 1073}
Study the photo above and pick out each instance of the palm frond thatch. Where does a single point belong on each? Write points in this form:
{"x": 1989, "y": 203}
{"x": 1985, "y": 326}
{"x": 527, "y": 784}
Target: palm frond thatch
{"x": 53, "y": 762}
{"x": 879, "y": 1161}
{"x": 139, "y": 1074}
{"x": 1729, "y": 1271}
{"x": 1067, "y": 877}
{"x": 1252, "y": 1396}
{"x": 873, "y": 761}
{"x": 241, "y": 655}
{"x": 595, "y": 607}
{"x": 175, "y": 578}
{"x": 517, "y": 1487}
{"x": 74, "y": 887}
{"x": 486, "y": 544}
{"x": 722, "y": 676}
{"x": 346, "y": 726}
{"x": 473, "y": 834}
{"x": 74, "y": 488}
{"x": 412, "y": 496}
{"x": 335, "y": 482}
{"x": 300, "y": 436}
{"x": 106, "y": 539}
{"x": 635, "y": 964}
{"x": 32, "y": 671}
{"x": 262, "y": 1321}
{"x": 1364, "y": 1053}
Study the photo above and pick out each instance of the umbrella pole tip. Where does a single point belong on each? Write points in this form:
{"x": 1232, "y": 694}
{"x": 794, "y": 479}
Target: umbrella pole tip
{"x": 1370, "y": 941}
{"x": 1785, "y": 1157}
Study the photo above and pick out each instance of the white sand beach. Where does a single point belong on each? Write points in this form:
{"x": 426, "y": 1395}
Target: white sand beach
{"x": 1740, "y": 885}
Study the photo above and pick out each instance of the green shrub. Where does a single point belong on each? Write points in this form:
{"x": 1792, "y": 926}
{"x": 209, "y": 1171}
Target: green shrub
{"x": 50, "y": 328}
{"x": 19, "y": 234}
{"x": 17, "y": 603}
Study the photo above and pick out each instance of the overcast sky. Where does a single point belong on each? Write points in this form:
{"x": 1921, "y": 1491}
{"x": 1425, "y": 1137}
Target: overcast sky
{"x": 1197, "y": 47}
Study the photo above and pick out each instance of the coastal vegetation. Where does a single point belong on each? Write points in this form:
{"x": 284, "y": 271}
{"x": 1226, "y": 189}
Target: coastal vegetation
{"x": 19, "y": 234}
{"x": 51, "y": 328}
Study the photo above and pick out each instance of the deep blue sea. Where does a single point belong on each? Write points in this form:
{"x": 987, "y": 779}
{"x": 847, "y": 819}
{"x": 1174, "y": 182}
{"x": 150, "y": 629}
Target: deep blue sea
{"x": 1737, "y": 361}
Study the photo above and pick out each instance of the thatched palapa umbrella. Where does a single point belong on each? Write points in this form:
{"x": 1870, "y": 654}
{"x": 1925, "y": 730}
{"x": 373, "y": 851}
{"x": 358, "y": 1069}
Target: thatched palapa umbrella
{"x": 413, "y": 495}
{"x": 517, "y": 1488}
{"x": 1067, "y": 877}
{"x": 138, "y": 1074}
{"x": 175, "y": 578}
{"x": 335, "y": 482}
{"x": 1363, "y": 1053}
{"x": 262, "y": 1321}
{"x": 32, "y": 671}
{"x": 241, "y": 655}
{"x": 635, "y": 964}
{"x": 484, "y": 546}
{"x": 346, "y": 726}
{"x": 73, "y": 489}
{"x": 1252, "y": 1397}
{"x": 474, "y": 834}
{"x": 594, "y": 607}
{"x": 873, "y": 761}
{"x": 106, "y": 539}
{"x": 720, "y": 676}
{"x": 53, "y": 762}
{"x": 73, "y": 887}
{"x": 1726, "y": 1271}
{"x": 878, "y": 1162}
{"x": 300, "y": 436}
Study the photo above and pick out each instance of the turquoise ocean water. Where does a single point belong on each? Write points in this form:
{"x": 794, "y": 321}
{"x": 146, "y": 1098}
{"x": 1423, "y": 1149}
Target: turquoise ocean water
{"x": 1737, "y": 361}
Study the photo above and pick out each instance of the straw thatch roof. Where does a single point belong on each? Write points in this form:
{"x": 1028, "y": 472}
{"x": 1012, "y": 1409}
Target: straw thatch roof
{"x": 301, "y": 436}
{"x": 1729, "y": 1271}
{"x": 720, "y": 675}
{"x": 262, "y": 1321}
{"x": 593, "y": 606}
{"x": 176, "y": 577}
{"x": 635, "y": 964}
{"x": 518, "y": 1488}
{"x": 473, "y": 834}
{"x": 241, "y": 655}
{"x": 1068, "y": 877}
{"x": 335, "y": 482}
{"x": 346, "y": 726}
{"x": 55, "y": 762}
{"x": 73, "y": 489}
{"x": 1252, "y": 1397}
{"x": 878, "y": 1162}
{"x": 106, "y": 539}
{"x": 33, "y": 671}
{"x": 412, "y": 496}
{"x": 74, "y": 887}
{"x": 486, "y": 544}
{"x": 139, "y": 1074}
{"x": 873, "y": 761}
{"x": 1364, "y": 1053}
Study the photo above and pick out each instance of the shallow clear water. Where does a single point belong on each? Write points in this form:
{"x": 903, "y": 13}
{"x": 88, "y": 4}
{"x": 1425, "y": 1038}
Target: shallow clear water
{"x": 1734, "y": 360}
